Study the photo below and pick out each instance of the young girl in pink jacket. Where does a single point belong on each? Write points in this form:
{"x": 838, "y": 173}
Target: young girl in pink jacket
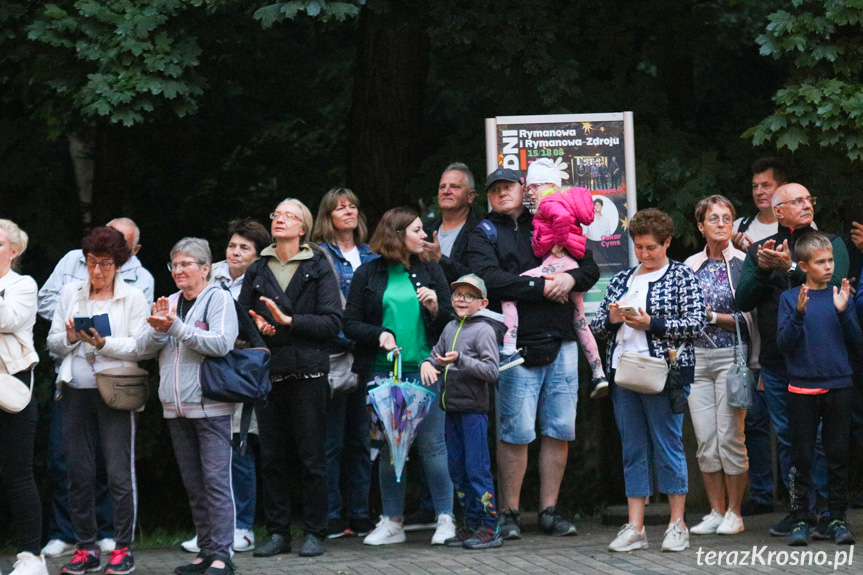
{"x": 558, "y": 239}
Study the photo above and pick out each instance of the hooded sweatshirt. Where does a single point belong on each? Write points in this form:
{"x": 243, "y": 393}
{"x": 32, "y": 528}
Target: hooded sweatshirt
{"x": 465, "y": 382}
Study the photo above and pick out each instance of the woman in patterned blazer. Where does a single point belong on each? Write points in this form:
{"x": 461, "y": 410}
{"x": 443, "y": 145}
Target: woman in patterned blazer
{"x": 668, "y": 313}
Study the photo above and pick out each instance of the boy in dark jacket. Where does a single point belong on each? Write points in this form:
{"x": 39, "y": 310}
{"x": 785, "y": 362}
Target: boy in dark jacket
{"x": 467, "y": 355}
{"x": 818, "y": 333}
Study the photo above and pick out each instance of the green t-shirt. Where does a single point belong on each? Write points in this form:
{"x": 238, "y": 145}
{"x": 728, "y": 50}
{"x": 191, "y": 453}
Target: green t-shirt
{"x": 403, "y": 317}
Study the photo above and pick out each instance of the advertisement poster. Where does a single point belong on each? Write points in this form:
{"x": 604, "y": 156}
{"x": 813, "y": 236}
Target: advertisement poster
{"x": 594, "y": 151}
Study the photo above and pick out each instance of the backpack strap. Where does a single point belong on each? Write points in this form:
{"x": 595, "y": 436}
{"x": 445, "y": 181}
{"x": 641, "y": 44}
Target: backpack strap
{"x": 489, "y": 230}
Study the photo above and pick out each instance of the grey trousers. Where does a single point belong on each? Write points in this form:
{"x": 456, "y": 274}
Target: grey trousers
{"x": 88, "y": 420}
{"x": 203, "y": 450}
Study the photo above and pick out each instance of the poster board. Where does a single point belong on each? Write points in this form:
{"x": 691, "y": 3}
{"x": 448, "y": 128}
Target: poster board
{"x": 595, "y": 151}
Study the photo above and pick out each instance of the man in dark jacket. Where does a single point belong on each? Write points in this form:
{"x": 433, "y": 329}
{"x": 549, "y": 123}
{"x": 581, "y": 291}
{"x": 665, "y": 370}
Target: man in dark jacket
{"x": 449, "y": 232}
{"x": 768, "y": 271}
{"x": 546, "y": 386}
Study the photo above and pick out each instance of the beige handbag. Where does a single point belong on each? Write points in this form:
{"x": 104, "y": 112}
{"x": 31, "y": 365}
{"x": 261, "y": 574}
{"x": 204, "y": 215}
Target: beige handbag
{"x": 124, "y": 388}
{"x": 641, "y": 373}
{"x": 14, "y": 394}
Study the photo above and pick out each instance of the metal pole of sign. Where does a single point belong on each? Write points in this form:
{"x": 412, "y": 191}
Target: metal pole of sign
{"x": 631, "y": 202}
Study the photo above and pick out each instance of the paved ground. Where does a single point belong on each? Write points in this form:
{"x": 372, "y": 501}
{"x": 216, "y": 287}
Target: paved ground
{"x": 535, "y": 554}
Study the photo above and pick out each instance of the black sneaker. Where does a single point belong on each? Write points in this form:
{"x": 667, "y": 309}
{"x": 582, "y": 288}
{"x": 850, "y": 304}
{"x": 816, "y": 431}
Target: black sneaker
{"x": 783, "y": 528}
{"x": 751, "y": 508}
{"x": 484, "y": 538}
{"x": 337, "y": 528}
{"x": 228, "y": 569}
{"x": 598, "y": 388}
{"x": 83, "y": 561}
{"x": 120, "y": 563}
{"x": 420, "y": 520}
{"x": 799, "y": 534}
{"x": 312, "y": 546}
{"x": 553, "y": 523}
{"x": 508, "y": 526}
{"x": 362, "y": 526}
{"x": 837, "y": 530}
{"x": 462, "y": 534}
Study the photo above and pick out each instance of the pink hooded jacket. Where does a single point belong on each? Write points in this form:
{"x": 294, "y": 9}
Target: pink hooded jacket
{"x": 558, "y": 220}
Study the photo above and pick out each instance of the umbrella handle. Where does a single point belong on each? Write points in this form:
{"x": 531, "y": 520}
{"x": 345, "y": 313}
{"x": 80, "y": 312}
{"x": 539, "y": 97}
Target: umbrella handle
{"x": 396, "y": 357}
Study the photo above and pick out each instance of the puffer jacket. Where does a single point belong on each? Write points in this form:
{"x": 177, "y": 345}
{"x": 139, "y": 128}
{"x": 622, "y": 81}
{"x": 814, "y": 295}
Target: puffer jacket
{"x": 675, "y": 305}
{"x": 558, "y": 220}
{"x": 184, "y": 347}
{"x": 365, "y": 311}
{"x": 465, "y": 382}
{"x": 312, "y": 299}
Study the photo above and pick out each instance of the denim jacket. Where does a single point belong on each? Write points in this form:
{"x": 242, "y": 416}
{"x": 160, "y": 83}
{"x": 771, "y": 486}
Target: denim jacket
{"x": 344, "y": 270}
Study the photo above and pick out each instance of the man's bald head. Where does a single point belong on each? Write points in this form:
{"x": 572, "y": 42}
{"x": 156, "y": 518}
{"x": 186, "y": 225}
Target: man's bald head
{"x": 793, "y": 205}
{"x": 129, "y": 230}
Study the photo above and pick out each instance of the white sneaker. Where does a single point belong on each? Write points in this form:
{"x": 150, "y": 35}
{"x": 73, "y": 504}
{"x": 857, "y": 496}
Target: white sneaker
{"x": 106, "y": 545}
{"x": 732, "y": 524}
{"x": 29, "y": 564}
{"x": 445, "y": 529}
{"x": 629, "y": 539}
{"x": 244, "y": 540}
{"x": 192, "y": 545}
{"x": 708, "y": 524}
{"x": 385, "y": 533}
{"x": 676, "y": 537}
{"x": 58, "y": 548}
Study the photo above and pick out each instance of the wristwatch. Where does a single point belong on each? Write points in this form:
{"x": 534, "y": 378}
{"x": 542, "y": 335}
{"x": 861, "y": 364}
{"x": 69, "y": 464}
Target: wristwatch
{"x": 712, "y": 320}
{"x": 792, "y": 268}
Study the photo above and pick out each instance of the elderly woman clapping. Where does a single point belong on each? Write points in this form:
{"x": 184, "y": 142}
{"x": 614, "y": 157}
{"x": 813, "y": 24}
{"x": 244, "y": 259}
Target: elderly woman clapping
{"x": 198, "y": 321}
{"x": 88, "y": 421}
{"x": 665, "y": 312}
{"x": 718, "y": 428}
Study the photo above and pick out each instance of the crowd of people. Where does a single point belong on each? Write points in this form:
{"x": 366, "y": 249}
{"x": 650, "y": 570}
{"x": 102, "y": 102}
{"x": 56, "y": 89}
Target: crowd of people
{"x": 468, "y": 304}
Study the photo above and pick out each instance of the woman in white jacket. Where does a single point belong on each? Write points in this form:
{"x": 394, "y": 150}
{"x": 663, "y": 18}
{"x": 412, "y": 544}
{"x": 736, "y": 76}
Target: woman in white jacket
{"x": 18, "y": 430}
{"x": 89, "y": 421}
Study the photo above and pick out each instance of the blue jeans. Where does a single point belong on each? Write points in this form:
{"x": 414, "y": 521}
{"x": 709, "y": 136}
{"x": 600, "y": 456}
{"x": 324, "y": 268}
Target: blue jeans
{"x": 757, "y": 429}
{"x": 547, "y": 392}
{"x": 244, "y": 481}
{"x": 348, "y": 442}
{"x": 652, "y": 440}
{"x": 59, "y": 520}
{"x": 776, "y": 396}
{"x": 430, "y": 442}
{"x": 470, "y": 467}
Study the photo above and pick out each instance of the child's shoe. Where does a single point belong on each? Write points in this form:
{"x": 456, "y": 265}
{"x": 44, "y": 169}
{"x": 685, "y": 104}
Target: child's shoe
{"x": 484, "y": 538}
{"x": 598, "y": 388}
{"x": 510, "y": 360}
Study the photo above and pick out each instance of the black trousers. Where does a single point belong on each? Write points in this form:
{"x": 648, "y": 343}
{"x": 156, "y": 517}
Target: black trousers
{"x": 805, "y": 412}
{"x": 88, "y": 422}
{"x": 17, "y": 438}
{"x": 292, "y": 427}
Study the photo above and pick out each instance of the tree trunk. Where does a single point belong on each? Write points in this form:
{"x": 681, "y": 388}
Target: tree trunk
{"x": 387, "y": 107}
{"x": 81, "y": 147}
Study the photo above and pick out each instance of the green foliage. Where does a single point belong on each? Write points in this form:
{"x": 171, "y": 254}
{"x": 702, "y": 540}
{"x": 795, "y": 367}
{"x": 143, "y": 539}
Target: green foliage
{"x": 822, "y": 99}
{"x": 280, "y": 11}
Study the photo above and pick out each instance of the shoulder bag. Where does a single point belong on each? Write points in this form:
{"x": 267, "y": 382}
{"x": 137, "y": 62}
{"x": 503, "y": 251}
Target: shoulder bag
{"x": 739, "y": 379}
{"x": 641, "y": 373}
{"x": 14, "y": 394}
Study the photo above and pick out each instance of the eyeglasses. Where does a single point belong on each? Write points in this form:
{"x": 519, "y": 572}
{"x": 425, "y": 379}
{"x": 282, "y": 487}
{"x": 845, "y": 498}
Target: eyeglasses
{"x": 465, "y": 297}
{"x": 797, "y": 202}
{"x": 286, "y": 215}
{"x": 184, "y": 265}
{"x": 713, "y": 220}
{"x": 103, "y": 265}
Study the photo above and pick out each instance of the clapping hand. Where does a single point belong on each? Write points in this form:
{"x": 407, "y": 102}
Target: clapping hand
{"x": 163, "y": 315}
{"x": 841, "y": 295}
{"x": 803, "y": 298}
{"x": 771, "y": 256}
